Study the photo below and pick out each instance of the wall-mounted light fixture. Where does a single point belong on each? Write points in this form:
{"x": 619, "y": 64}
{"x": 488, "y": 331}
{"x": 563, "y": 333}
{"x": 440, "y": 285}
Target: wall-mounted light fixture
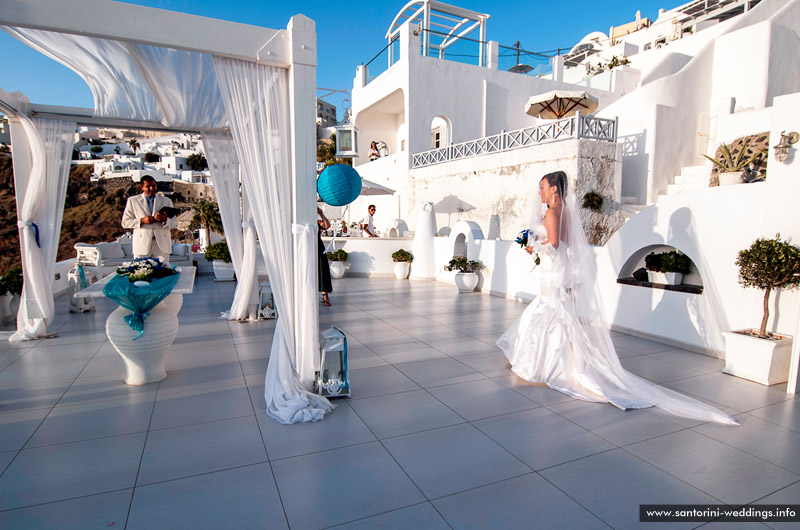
{"x": 785, "y": 145}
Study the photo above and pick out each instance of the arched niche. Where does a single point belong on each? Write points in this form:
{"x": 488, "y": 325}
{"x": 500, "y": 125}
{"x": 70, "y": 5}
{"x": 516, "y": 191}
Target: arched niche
{"x": 692, "y": 282}
{"x": 462, "y": 239}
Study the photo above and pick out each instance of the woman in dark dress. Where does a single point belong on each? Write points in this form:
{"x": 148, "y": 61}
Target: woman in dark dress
{"x": 323, "y": 270}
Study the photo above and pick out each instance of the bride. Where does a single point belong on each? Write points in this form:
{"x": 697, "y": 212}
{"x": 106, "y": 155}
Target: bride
{"x": 561, "y": 338}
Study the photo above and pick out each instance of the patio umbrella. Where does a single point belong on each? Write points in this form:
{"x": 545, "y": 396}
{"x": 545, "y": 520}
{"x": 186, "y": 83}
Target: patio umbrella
{"x": 371, "y": 188}
{"x": 452, "y": 204}
{"x": 558, "y": 104}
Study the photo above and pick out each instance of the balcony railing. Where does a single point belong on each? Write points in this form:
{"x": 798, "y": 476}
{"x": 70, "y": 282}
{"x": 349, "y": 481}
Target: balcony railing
{"x": 578, "y": 126}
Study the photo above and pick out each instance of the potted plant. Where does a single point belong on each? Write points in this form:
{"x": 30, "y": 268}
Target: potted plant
{"x": 220, "y": 257}
{"x": 732, "y": 169}
{"x": 466, "y": 278}
{"x": 402, "y": 263}
{"x": 667, "y": 267}
{"x": 10, "y": 290}
{"x": 756, "y": 354}
{"x": 338, "y": 262}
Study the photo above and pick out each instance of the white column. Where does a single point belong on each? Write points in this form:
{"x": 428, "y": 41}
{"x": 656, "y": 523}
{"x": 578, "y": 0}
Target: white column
{"x": 302, "y": 92}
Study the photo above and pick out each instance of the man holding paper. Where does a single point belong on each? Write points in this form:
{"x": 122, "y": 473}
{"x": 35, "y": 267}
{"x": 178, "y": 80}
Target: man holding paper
{"x": 150, "y": 215}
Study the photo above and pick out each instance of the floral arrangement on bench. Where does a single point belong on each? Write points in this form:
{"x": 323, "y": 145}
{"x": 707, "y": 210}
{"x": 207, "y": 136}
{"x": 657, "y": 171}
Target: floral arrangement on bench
{"x": 146, "y": 269}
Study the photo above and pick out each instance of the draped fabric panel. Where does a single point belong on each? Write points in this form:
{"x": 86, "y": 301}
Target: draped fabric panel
{"x": 40, "y": 209}
{"x": 135, "y": 81}
{"x": 183, "y": 83}
{"x": 224, "y": 165}
{"x": 257, "y": 104}
{"x": 118, "y": 88}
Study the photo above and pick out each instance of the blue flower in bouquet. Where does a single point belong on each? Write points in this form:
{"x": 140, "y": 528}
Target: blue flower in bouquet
{"x": 522, "y": 238}
{"x": 146, "y": 269}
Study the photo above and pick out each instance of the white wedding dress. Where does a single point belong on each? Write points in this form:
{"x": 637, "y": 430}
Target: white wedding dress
{"x": 561, "y": 339}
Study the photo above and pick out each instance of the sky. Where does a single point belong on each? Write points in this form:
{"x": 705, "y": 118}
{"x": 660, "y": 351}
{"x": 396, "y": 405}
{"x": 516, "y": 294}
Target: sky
{"x": 348, "y": 34}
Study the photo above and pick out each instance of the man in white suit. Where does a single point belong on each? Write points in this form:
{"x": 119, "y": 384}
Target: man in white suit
{"x": 151, "y": 236}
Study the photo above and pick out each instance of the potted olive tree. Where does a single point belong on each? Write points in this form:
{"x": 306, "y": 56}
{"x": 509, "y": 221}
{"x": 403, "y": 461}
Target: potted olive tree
{"x": 220, "y": 257}
{"x": 338, "y": 262}
{"x": 667, "y": 267}
{"x": 758, "y": 355}
{"x": 466, "y": 278}
{"x": 402, "y": 263}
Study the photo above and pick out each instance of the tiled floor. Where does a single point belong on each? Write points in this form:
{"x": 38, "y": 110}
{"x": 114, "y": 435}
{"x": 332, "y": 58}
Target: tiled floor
{"x": 438, "y": 433}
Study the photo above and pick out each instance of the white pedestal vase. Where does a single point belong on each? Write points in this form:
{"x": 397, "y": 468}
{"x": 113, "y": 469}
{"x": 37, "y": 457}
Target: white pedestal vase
{"x": 337, "y": 269}
{"x": 761, "y": 360}
{"x": 223, "y": 272}
{"x": 401, "y": 270}
{"x": 145, "y": 357}
{"x": 466, "y": 281}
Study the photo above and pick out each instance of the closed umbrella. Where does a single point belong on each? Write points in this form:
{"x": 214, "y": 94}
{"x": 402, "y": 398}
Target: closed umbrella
{"x": 558, "y": 104}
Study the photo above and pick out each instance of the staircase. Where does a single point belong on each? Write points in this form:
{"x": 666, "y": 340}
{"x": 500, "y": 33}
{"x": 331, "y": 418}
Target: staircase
{"x": 691, "y": 178}
{"x": 629, "y": 208}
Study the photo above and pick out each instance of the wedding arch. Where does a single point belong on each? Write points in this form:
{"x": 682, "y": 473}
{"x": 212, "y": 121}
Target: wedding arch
{"x": 249, "y": 90}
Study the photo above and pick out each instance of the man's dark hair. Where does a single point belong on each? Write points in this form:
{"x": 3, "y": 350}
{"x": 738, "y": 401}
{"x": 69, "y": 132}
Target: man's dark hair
{"x": 371, "y": 206}
{"x": 147, "y": 178}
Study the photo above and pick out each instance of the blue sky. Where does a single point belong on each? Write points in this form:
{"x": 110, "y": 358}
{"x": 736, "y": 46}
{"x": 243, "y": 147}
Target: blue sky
{"x": 347, "y": 35}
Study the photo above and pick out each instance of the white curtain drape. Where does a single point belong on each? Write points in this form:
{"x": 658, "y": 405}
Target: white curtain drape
{"x": 118, "y": 88}
{"x": 40, "y": 208}
{"x": 183, "y": 83}
{"x": 240, "y": 236}
{"x": 135, "y": 81}
{"x": 256, "y": 101}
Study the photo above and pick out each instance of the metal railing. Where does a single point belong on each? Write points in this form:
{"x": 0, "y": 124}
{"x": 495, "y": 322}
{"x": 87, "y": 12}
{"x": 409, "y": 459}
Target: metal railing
{"x": 578, "y": 126}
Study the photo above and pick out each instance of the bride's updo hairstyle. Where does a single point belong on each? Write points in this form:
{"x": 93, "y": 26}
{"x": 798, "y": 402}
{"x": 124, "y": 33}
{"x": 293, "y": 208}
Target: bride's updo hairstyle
{"x": 559, "y": 180}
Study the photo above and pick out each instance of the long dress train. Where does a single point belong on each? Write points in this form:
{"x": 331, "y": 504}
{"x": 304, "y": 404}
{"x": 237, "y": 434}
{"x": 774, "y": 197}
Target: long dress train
{"x": 558, "y": 342}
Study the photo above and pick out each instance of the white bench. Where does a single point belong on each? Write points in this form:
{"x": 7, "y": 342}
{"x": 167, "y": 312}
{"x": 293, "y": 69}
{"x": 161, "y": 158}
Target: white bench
{"x": 104, "y": 258}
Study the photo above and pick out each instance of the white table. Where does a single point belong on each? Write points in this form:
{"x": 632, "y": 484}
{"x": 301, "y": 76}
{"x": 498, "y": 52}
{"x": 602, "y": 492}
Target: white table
{"x": 145, "y": 358}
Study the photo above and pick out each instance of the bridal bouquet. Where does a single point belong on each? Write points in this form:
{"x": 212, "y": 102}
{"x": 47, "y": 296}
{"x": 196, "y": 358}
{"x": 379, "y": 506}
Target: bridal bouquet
{"x": 522, "y": 241}
{"x": 146, "y": 269}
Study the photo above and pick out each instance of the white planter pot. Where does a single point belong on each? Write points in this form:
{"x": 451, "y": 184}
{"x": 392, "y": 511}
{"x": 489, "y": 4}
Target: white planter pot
{"x": 401, "y": 270}
{"x": 337, "y": 269}
{"x": 760, "y": 360}
{"x": 466, "y": 281}
{"x": 223, "y": 272}
{"x": 145, "y": 357}
{"x": 667, "y": 278}
{"x": 727, "y": 179}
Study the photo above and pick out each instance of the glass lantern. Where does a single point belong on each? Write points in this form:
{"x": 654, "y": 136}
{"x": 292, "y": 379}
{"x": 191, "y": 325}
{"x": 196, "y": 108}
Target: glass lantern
{"x": 346, "y": 141}
{"x": 266, "y": 303}
{"x": 331, "y": 380}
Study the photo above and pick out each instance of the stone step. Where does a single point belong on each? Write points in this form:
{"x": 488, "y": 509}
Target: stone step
{"x": 692, "y": 179}
{"x": 677, "y": 189}
{"x": 629, "y": 210}
{"x": 630, "y": 200}
{"x": 704, "y": 169}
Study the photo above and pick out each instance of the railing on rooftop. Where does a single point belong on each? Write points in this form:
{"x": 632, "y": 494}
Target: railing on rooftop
{"x": 578, "y": 126}
{"x": 465, "y": 50}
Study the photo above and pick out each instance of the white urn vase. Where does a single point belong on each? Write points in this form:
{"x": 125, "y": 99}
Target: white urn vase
{"x": 466, "y": 281}
{"x": 145, "y": 358}
{"x": 401, "y": 270}
{"x": 337, "y": 269}
{"x": 223, "y": 272}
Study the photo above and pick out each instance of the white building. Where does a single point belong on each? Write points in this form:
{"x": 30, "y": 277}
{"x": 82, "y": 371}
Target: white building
{"x": 699, "y": 75}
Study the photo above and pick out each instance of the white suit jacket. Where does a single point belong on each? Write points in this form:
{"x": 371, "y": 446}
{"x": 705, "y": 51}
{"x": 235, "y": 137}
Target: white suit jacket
{"x": 145, "y": 235}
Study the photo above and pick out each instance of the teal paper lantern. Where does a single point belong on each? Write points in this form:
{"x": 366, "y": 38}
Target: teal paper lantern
{"x": 339, "y": 185}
